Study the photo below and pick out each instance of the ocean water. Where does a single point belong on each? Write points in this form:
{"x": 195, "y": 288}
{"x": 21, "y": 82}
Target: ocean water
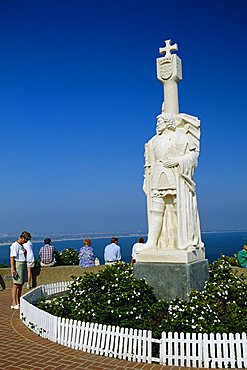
{"x": 216, "y": 243}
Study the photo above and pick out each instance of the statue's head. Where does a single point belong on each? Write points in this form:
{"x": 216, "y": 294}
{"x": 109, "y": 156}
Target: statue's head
{"x": 165, "y": 120}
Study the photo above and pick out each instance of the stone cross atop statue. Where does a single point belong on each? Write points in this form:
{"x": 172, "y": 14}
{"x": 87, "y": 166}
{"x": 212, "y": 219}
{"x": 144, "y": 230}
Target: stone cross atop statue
{"x": 169, "y": 73}
{"x": 167, "y": 49}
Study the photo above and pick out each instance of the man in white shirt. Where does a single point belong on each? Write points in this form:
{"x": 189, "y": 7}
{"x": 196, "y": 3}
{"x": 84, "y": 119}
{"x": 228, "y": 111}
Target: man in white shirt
{"x": 112, "y": 252}
{"x": 18, "y": 267}
{"x": 30, "y": 261}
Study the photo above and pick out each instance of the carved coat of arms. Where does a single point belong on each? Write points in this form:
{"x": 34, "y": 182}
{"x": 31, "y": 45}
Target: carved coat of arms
{"x": 164, "y": 69}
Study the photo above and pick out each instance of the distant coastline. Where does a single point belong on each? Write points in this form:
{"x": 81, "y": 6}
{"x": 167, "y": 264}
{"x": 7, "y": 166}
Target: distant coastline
{"x": 225, "y": 231}
{"x": 55, "y": 238}
{"x": 80, "y": 238}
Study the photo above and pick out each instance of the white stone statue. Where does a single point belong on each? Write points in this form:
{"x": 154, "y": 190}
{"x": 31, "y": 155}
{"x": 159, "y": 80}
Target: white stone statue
{"x": 170, "y": 160}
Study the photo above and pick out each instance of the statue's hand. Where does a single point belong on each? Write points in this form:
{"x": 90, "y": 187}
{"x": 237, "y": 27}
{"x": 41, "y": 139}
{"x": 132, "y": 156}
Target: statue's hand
{"x": 170, "y": 163}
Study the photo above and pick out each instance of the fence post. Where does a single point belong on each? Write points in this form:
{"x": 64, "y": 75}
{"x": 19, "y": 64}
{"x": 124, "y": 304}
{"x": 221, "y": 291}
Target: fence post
{"x": 162, "y": 348}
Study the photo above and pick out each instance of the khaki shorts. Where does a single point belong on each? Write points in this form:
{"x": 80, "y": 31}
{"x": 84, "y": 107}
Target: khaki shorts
{"x": 21, "y": 269}
{"x": 30, "y": 264}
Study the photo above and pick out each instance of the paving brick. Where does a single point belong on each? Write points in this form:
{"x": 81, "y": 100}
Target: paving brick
{"x": 138, "y": 365}
{"x": 4, "y": 363}
{"x": 32, "y": 352}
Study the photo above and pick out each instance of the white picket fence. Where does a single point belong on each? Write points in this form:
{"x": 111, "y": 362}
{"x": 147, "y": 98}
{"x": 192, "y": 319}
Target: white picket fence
{"x": 174, "y": 349}
{"x": 41, "y": 322}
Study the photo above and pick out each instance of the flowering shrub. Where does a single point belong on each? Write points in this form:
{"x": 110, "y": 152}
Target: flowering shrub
{"x": 233, "y": 260}
{"x": 114, "y": 297}
{"x": 220, "y": 308}
{"x": 68, "y": 256}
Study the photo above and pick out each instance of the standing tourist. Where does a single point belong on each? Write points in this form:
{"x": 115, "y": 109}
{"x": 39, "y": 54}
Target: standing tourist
{"x": 139, "y": 243}
{"x": 30, "y": 261}
{"x": 112, "y": 252}
{"x": 242, "y": 256}
{"x": 47, "y": 254}
{"x": 86, "y": 254}
{"x": 18, "y": 267}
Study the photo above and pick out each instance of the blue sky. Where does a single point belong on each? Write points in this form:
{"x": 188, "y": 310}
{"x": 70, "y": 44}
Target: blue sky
{"x": 79, "y": 97}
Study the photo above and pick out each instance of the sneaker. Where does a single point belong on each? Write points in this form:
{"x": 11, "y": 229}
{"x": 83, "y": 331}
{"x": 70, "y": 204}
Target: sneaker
{"x": 15, "y": 307}
{"x": 28, "y": 286}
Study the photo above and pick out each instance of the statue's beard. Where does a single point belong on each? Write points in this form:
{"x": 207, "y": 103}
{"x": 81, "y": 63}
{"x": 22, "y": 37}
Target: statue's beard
{"x": 171, "y": 126}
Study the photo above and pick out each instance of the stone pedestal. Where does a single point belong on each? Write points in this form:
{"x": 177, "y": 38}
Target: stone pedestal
{"x": 171, "y": 280}
{"x": 173, "y": 256}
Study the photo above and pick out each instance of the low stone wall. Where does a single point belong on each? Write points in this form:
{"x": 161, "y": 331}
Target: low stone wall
{"x": 47, "y": 275}
{"x": 240, "y": 271}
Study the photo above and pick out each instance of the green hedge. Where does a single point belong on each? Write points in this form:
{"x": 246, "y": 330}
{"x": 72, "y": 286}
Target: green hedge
{"x": 115, "y": 297}
{"x": 68, "y": 256}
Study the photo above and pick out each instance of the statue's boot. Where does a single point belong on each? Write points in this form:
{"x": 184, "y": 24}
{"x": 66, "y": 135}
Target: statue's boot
{"x": 155, "y": 224}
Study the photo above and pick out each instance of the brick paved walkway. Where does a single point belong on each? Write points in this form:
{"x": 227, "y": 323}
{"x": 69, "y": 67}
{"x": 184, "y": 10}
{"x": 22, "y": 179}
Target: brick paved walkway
{"x": 22, "y": 349}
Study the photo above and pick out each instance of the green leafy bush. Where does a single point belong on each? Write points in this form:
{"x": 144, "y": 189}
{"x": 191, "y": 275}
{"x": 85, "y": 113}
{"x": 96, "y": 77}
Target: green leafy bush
{"x": 233, "y": 260}
{"x": 114, "y": 297}
{"x": 220, "y": 308}
{"x": 68, "y": 256}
